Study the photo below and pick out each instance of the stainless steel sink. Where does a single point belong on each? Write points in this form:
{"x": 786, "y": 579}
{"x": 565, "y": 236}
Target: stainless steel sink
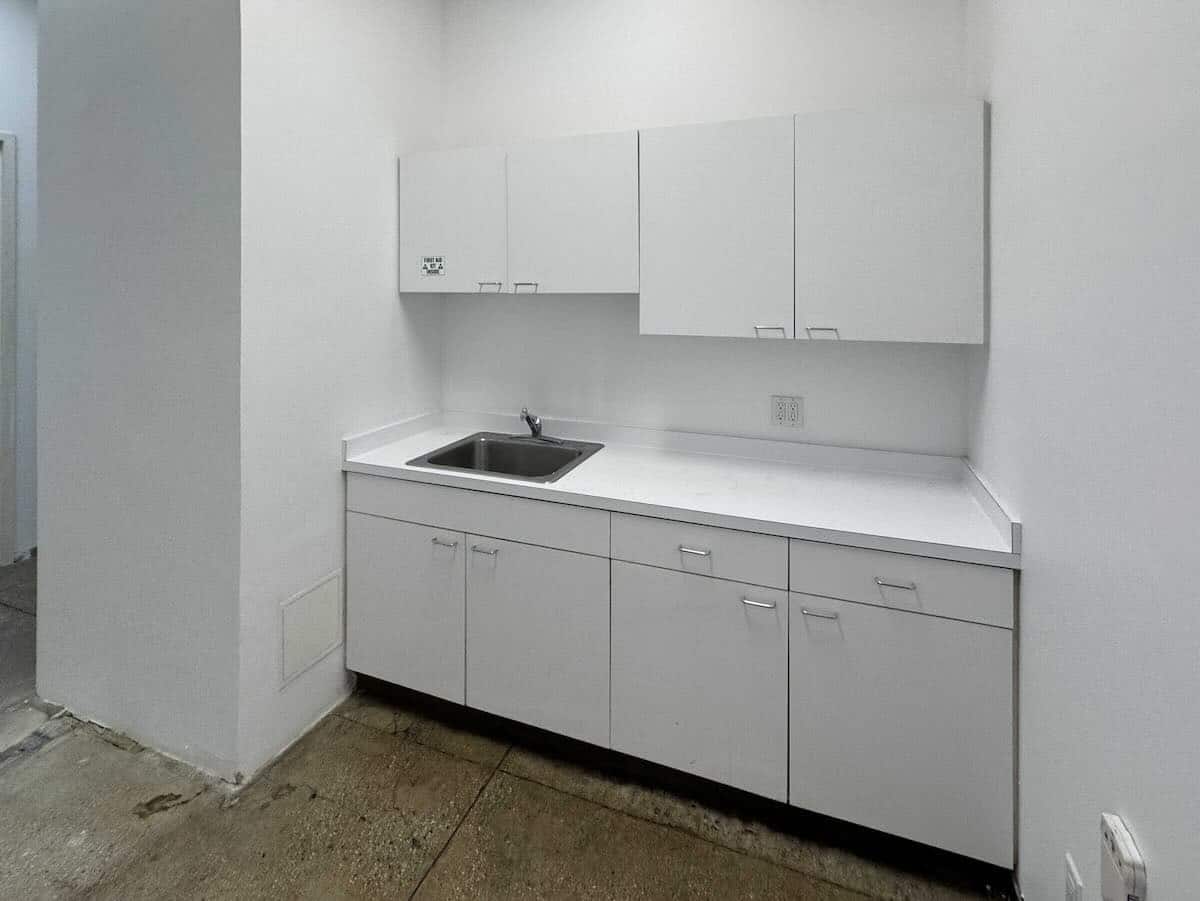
{"x": 513, "y": 456}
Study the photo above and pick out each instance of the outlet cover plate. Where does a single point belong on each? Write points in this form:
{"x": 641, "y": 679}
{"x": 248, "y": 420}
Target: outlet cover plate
{"x": 1122, "y": 866}
{"x": 787, "y": 411}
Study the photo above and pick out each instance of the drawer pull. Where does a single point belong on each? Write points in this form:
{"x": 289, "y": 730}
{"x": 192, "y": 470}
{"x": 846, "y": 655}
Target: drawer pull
{"x": 750, "y": 603}
{"x": 496, "y": 285}
{"x": 517, "y": 286}
{"x": 482, "y": 550}
{"x": 695, "y": 552}
{"x": 441, "y": 542}
{"x": 906, "y": 586}
{"x": 770, "y": 328}
{"x": 819, "y": 614}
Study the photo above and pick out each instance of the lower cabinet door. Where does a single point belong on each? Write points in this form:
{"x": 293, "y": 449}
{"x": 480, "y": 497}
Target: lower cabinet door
{"x": 699, "y": 676}
{"x": 405, "y": 604}
{"x": 904, "y": 722}
{"x": 537, "y": 636}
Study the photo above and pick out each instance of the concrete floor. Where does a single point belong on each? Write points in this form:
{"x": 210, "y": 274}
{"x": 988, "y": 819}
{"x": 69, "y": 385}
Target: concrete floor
{"x": 393, "y": 797}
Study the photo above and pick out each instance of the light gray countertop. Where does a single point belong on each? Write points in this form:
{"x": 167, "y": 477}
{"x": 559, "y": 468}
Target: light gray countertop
{"x": 920, "y": 504}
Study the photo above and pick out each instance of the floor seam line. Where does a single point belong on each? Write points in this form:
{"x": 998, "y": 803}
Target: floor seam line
{"x": 454, "y": 832}
{"x": 4, "y": 603}
{"x": 690, "y": 834}
{"x": 358, "y": 722}
{"x": 403, "y": 735}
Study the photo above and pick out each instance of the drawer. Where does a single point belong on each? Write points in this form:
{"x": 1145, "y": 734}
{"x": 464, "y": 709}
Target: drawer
{"x": 561, "y": 526}
{"x": 703, "y": 550}
{"x": 980, "y": 594}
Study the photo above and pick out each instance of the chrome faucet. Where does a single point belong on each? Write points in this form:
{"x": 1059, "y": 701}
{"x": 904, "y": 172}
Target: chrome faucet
{"x": 534, "y": 422}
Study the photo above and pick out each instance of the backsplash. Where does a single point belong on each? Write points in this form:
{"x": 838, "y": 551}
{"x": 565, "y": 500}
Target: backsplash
{"x": 580, "y": 356}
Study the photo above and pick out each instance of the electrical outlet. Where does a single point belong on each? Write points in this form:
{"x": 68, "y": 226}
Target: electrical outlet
{"x": 787, "y": 411}
{"x": 1074, "y": 883}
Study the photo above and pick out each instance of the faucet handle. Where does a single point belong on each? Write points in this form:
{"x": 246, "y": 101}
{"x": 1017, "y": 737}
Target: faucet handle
{"x": 534, "y": 422}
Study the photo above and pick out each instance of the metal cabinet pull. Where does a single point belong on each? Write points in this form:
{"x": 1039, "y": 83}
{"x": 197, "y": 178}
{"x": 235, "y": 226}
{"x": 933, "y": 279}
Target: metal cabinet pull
{"x": 517, "y": 286}
{"x": 819, "y": 614}
{"x": 822, "y": 328}
{"x": 482, "y": 550}
{"x": 750, "y": 603}
{"x": 911, "y": 586}
{"x": 770, "y": 328}
{"x": 498, "y": 285}
{"x": 695, "y": 552}
{"x": 441, "y": 542}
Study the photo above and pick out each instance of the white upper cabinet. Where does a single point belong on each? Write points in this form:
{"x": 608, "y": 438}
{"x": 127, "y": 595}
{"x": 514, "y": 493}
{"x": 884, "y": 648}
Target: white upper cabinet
{"x": 716, "y": 229}
{"x": 452, "y": 221}
{"x": 858, "y": 225}
{"x": 573, "y": 215}
{"x": 889, "y": 224}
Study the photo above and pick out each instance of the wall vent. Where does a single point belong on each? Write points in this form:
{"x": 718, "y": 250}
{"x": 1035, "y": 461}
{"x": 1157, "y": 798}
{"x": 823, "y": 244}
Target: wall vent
{"x": 311, "y": 626}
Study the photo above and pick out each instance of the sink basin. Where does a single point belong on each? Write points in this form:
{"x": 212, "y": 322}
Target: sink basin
{"x": 512, "y": 456}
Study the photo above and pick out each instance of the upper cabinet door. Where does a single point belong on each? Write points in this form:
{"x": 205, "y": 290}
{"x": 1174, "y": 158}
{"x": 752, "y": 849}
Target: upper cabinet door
{"x": 452, "y": 221}
{"x": 716, "y": 225}
{"x": 573, "y": 215}
{"x": 889, "y": 224}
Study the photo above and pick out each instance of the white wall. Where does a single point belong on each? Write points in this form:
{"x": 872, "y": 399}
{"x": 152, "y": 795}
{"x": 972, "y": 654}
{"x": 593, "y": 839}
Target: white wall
{"x": 537, "y": 68}
{"x": 209, "y": 332}
{"x": 138, "y": 355}
{"x": 1086, "y": 419}
{"x": 528, "y": 68}
{"x": 332, "y": 92}
{"x": 18, "y": 115}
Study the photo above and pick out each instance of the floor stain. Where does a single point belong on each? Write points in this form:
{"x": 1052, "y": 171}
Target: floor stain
{"x": 162, "y": 802}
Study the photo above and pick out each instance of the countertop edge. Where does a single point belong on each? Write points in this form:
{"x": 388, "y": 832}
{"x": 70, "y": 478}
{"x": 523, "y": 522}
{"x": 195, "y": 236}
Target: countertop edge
{"x": 1002, "y": 559}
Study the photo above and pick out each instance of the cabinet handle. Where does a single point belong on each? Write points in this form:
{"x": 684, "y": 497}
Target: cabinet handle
{"x": 482, "y": 550}
{"x": 441, "y": 542}
{"x": 770, "y": 328}
{"x": 882, "y": 583}
{"x": 750, "y": 603}
{"x": 695, "y": 552}
{"x": 819, "y": 614}
{"x": 822, "y": 328}
{"x": 498, "y": 285}
{"x": 517, "y": 286}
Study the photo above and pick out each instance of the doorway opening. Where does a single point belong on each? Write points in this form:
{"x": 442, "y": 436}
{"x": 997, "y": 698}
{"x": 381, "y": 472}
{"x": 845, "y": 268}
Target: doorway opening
{"x": 20, "y": 710}
{"x": 8, "y": 345}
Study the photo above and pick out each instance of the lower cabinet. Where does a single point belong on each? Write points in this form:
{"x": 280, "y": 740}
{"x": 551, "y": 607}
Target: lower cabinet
{"x": 904, "y": 722}
{"x": 537, "y": 636}
{"x": 699, "y": 676}
{"x": 405, "y": 604}
{"x": 893, "y": 710}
